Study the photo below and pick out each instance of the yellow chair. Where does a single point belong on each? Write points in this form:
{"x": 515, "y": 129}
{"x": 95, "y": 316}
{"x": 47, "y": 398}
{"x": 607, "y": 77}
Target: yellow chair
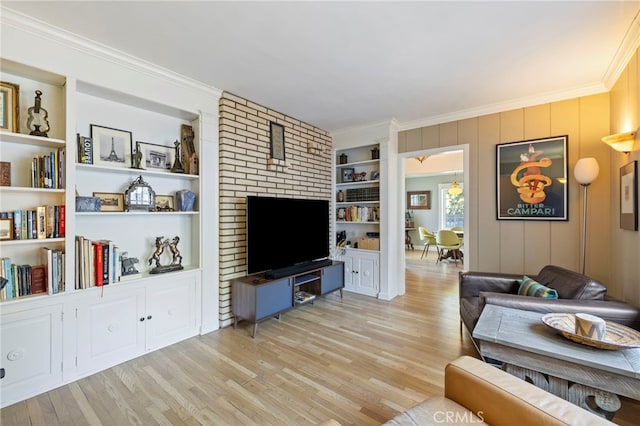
{"x": 448, "y": 240}
{"x": 457, "y": 229}
{"x": 429, "y": 238}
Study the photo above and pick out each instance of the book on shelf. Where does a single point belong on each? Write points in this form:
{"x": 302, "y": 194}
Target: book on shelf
{"x": 98, "y": 262}
{"x": 41, "y": 222}
{"x": 38, "y": 279}
{"x": 53, "y": 260}
{"x": 85, "y": 150}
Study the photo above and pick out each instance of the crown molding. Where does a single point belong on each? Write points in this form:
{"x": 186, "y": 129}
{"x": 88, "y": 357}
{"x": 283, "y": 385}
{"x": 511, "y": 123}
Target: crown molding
{"x": 86, "y": 46}
{"x": 509, "y": 105}
{"x": 630, "y": 43}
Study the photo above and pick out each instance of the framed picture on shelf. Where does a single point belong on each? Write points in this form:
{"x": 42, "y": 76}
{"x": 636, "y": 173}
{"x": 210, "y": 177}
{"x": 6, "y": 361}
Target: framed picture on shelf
{"x": 629, "y": 196}
{"x": 110, "y": 201}
{"x": 347, "y": 174}
{"x": 10, "y": 104}
{"x": 111, "y": 147}
{"x": 531, "y": 179}
{"x": 156, "y": 157}
{"x": 6, "y": 229}
{"x": 277, "y": 141}
{"x": 165, "y": 203}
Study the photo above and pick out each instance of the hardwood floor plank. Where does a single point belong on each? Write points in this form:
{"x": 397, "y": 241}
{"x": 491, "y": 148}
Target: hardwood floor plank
{"x": 357, "y": 359}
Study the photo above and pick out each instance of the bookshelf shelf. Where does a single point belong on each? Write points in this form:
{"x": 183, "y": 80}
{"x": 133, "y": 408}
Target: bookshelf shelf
{"x": 31, "y": 241}
{"x": 135, "y": 172}
{"x": 23, "y": 138}
{"x": 30, "y": 189}
{"x": 133, "y": 213}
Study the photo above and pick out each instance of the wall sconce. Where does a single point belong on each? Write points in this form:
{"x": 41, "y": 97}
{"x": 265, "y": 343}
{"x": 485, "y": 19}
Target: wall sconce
{"x": 621, "y": 142}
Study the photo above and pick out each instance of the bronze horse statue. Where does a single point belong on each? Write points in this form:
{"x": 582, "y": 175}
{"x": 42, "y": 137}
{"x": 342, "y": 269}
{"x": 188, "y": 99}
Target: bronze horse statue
{"x": 159, "y": 250}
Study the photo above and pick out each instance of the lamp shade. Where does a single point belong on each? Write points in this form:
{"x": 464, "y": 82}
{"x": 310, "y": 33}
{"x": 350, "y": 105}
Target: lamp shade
{"x": 621, "y": 142}
{"x": 454, "y": 189}
{"x": 586, "y": 170}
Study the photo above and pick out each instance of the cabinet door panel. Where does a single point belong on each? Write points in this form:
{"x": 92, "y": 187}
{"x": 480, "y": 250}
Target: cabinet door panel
{"x": 110, "y": 330}
{"x": 273, "y": 297}
{"x": 348, "y": 272}
{"x": 171, "y": 312}
{"x": 367, "y": 281}
{"x": 31, "y": 352}
{"x": 332, "y": 278}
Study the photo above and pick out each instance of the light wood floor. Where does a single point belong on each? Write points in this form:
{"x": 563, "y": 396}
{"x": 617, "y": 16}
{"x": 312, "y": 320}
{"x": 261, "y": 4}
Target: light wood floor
{"x": 357, "y": 359}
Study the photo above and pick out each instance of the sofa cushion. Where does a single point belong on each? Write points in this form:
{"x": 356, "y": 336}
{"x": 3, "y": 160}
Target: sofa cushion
{"x": 530, "y": 287}
{"x": 570, "y": 284}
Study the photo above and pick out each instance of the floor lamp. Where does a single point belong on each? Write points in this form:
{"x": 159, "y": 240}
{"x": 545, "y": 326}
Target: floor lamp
{"x": 585, "y": 171}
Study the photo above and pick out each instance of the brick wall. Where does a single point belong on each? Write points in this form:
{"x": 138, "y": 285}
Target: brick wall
{"x": 247, "y": 169}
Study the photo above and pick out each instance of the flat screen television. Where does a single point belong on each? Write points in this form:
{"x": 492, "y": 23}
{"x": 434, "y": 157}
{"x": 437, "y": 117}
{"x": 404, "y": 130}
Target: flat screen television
{"x": 283, "y": 232}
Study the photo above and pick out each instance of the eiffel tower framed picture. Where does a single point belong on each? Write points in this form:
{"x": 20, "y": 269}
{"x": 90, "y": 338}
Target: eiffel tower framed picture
{"x": 111, "y": 147}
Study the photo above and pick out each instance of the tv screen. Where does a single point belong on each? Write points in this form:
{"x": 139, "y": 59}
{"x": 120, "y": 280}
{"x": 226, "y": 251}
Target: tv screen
{"x": 283, "y": 232}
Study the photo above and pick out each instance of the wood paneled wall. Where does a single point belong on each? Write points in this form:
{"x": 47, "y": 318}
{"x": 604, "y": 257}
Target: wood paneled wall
{"x": 526, "y": 246}
{"x": 624, "y": 258}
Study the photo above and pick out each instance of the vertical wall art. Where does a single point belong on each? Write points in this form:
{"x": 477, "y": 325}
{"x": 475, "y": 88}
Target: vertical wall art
{"x": 629, "y": 196}
{"x": 532, "y": 179}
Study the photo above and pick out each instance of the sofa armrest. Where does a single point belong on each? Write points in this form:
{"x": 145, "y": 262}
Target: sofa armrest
{"x": 609, "y": 309}
{"x": 499, "y": 398}
{"x": 472, "y": 283}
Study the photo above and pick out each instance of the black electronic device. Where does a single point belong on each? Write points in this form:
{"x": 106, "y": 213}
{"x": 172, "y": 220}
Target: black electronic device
{"x": 288, "y": 233}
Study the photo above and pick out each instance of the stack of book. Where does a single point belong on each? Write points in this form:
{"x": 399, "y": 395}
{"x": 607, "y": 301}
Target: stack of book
{"x": 18, "y": 281}
{"x": 47, "y": 171}
{"x": 37, "y": 223}
{"x": 97, "y": 263}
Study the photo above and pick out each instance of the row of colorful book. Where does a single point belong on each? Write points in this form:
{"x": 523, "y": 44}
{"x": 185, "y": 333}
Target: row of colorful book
{"x": 18, "y": 281}
{"x": 37, "y": 223}
{"x": 97, "y": 263}
{"x": 358, "y": 214}
{"x": 47, "y": 171}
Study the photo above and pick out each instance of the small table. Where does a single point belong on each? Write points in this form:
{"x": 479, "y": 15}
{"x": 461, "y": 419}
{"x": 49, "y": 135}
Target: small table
{"x": 588, "y": 377}
{"x": 407, "y": 237}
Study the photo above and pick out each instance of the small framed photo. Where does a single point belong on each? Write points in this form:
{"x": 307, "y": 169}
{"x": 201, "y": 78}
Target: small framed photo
{"x": 629, "y": 196}
{"x": 110, "y": 201}
{"x": 111, "y": 147}
{"x": 347, "y": 174}
{"x": 277, "y": 141}
{"x": 155, "y": 157}
{"x": 6, "y": 229}
{"x": 10, "y": 107}
{"x": 165, "y": 203}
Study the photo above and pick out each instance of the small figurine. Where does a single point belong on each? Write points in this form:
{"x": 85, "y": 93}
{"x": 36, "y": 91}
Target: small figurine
{"x": 128, "y": 263}
{"x": 136, "y": 159}
{"x": 37, "y": 121}
{"x": 176, "y": 257}
{"x": 177, "y": 164}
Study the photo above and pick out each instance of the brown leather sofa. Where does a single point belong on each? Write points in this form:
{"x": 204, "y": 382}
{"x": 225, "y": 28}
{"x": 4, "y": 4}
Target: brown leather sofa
{"x": 576, "y": 293}
{"x": 478, "y": 393}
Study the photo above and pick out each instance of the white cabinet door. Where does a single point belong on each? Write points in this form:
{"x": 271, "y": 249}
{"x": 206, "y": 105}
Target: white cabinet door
{"x": 171, "y": 311}
{"x": 348, "y": 260}
{"x": 31, "y": 352}
{"x": 361, "y": 272}
{"x": 110, "y": 328}
{"x": 368, "y": 276}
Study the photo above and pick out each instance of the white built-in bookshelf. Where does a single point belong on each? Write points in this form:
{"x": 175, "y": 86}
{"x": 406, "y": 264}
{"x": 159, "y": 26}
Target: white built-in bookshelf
{"x": 54, "y": 337}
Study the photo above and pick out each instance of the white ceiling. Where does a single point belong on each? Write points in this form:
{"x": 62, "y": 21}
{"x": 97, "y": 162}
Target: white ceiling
{"x": 338, "y": 65}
